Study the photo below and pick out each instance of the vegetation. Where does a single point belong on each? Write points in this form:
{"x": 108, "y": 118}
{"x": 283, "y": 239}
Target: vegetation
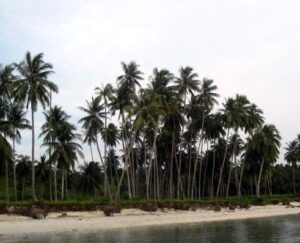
{"x": 173, "y": 143}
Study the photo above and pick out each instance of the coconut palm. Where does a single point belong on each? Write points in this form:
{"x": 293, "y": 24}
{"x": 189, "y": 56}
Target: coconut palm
{"x": 66, "y": 151}
{"x": 254, "y": 121}
{"x": 91, "y": 178}
{"x": 292, "y": 156}
{"x": 186, "y": 83}
{"x": 94, "y": 124}
{"x": 105, "y": 94}
{"x": 54, "y": 118}
{"x": 264, "y": 145}
{"x": 23, "y": 169}
{"x": 16, "y": 117}
{"x": 33, "y": 87}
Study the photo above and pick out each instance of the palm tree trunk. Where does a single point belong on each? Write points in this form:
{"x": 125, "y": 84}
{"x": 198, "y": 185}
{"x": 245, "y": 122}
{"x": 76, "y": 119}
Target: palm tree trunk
{"x": 55, "y": 181}
{"x": 62, "y": 183}
{"x": 171, "y": 169}
{"x": 180, "y": 152}
{"x": 105, "y": 136}
{"x": 213, "y": 173}
{"x": 91, "y": 149}
{"x": 222, "y": 165}
{"x": 259, "y": 178}
{"x": 14, "y": 172}
{"x": 293, "y": 177}
{"x": 200, "y": 144}
{"x": 150, "y": 165}
{"x": 242, "y": 171}
{"x": 104, "y": 168}
{"x": 66, "y": 187}
{"x": 32, "y": 156}
{"x": 6, "y": 181}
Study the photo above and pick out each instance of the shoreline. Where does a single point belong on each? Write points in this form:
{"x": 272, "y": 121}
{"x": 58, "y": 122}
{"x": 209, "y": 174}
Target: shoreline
{"x": 11, "y": 225}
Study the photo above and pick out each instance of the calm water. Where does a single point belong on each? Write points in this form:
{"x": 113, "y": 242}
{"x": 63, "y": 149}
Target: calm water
{"x": 276, "y": 229}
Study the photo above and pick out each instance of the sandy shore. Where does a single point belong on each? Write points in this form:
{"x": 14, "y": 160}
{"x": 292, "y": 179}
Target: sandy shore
{"x": 90, "y": 221}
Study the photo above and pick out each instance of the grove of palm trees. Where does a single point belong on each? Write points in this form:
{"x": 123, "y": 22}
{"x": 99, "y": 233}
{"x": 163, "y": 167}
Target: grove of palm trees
{"x": 168, "y": 137}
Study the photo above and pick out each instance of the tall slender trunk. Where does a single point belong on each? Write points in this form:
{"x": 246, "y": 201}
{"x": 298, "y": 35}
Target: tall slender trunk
{"x": 213, "y": 173}
{"x": 150, "y": 165}
{"x": 171, "y": 169}
{"x": 259, "y": 179}
{"x": 242, "y": 172}
{"x": 6, "y": 181}
{"x": 205, "y": 172}
{"x": 180, "y": 152}
{"x": 222, "y": 165}
{"x": 66, "y": 185}
{"x": 105, "y": 158}
{"x": 14, "y": 172}
{"x": 32, "y": 156}
{"x": 55, "y": 181}
{"x": 91, "y": 150}
{"x": 62, "y": 183}
{"x": 200, "y": 144}
{"x": 293, "y": 177}
{"x": 104, "y": 168}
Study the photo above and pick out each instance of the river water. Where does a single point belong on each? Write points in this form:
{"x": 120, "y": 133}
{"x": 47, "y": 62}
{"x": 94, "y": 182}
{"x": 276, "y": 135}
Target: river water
{"x": 274, "y": 229}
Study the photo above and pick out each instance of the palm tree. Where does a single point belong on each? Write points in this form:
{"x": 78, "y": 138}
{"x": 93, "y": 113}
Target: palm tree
{"x": 91, "y": 178}
{"x": 65, "y": 151}
{"x": 131, "y": 76}
{"x": 264, "y": 145}
{"x": 205, "y": 102}
{"x": 123, "y": 102}
{"x": 55, "y": 118}
{"x": 234, "y": 117}
{"x": 94, "y": 124}
{"x": 148, "y": 112}
{"x": 187, "y": 82}
{"x": 32, "y": 88}
{"x": 6, "y": 81}
{"x": 23, "y": 171}
{"x": 254, "y": 121}
{"x": 292, "y": 156}
{"x": 17, "y": 121}
{"x": 105, "y": 94}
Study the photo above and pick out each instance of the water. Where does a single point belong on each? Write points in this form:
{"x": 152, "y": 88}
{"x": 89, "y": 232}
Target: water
{"x": 275, "y": 229}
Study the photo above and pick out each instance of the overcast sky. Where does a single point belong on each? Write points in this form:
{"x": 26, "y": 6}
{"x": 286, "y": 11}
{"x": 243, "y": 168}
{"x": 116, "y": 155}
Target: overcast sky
{"x": 248, "y": 47}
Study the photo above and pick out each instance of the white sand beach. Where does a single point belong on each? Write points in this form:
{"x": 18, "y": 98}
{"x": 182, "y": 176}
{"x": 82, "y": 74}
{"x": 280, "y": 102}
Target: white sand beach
{"x": 90, "y": 221}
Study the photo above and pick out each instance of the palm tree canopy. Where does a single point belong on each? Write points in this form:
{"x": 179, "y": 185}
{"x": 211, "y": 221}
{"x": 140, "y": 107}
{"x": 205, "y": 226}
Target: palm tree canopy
{"x": 34, "y": 87}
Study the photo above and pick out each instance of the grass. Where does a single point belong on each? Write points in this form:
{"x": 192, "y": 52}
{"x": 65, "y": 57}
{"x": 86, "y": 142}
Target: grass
{"x": 91, "y": 205}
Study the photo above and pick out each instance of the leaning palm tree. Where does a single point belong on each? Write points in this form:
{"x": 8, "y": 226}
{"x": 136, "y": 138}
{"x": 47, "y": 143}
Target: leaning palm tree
{"x": 33, "y": 87}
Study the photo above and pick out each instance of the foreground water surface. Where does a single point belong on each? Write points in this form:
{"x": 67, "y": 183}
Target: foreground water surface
{"x": 274, "y": 229}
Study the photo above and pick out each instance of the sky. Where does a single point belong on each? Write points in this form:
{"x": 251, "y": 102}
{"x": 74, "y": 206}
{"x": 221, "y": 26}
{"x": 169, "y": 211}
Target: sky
{"x": 247, "y": 47}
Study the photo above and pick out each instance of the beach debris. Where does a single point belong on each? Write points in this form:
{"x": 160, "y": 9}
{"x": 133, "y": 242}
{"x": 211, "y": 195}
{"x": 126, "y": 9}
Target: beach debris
{"x": 217, "y": 208}
{"x": 149, "y": 207}
{"x": 110, "y": 210}
{"x": 231, "y": 207}
{"x": 286, "y": 202}
{"x": 37, "y": 213}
